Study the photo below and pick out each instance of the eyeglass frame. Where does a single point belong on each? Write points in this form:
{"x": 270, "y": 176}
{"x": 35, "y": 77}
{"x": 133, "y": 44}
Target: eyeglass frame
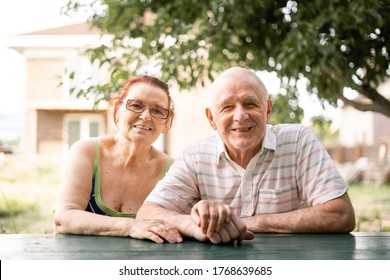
{"x": 147, "y": 107}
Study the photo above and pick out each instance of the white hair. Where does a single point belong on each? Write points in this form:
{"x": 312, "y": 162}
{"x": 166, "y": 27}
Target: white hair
{"x": 237, "y": 73}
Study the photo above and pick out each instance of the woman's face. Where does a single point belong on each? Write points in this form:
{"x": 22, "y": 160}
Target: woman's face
{"x": 143, "y": 126}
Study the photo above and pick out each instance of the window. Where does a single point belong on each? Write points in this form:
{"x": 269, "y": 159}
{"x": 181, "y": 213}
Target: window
{"x": 79, "y": 126}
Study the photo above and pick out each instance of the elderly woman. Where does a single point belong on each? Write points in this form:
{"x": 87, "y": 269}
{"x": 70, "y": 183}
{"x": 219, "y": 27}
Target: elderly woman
{"x": 107, "y": 178}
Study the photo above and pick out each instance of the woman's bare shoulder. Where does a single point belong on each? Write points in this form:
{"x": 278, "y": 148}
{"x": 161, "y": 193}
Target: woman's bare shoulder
{"x": 84, "y": 144}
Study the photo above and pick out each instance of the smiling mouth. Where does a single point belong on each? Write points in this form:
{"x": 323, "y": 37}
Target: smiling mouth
{"x": 142, "y": 127}
{"x": 242, "y": 129}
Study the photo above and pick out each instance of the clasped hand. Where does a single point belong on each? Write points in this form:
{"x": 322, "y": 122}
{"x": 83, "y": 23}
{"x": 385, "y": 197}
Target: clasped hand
{"x": 155, "y": 230}
{"x": 218, "y": 223}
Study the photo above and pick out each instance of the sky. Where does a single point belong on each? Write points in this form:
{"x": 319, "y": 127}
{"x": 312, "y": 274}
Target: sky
{"x": 18, "y": 17}
{"x": 23, "y": 16}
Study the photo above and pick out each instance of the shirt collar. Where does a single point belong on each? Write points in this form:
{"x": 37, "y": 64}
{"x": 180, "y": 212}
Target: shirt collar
{"x": 269, "y": 143}
{"x": 221, "y": 149}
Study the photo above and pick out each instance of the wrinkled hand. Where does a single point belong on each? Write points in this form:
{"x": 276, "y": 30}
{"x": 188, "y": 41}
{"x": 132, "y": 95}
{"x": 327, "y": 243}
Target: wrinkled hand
{"x": 233, "y": 231}
{"x": 211, "y": 215}
{"x": 217, "y": 222}
{"x": 155, "y": 230}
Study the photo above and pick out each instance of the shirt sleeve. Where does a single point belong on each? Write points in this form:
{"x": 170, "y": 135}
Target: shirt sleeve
{"x": 178, "y": 190}
{"x": 317, "y": 175}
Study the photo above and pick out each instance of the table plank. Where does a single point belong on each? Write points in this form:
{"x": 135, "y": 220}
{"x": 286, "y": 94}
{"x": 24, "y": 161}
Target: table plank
{"x": 373, "y": 246}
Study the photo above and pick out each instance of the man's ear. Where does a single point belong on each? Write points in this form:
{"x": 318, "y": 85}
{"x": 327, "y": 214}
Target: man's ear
{"x": 209, "y": 116}
{"x": 269, "y": 109}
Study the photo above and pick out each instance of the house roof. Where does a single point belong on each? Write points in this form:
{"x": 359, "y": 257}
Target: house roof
{"x": 83, "y": 28}
{"x": 72, "y": 36}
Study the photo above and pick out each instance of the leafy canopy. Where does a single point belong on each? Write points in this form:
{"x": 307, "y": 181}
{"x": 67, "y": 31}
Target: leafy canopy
{"x": 334, "y": 44}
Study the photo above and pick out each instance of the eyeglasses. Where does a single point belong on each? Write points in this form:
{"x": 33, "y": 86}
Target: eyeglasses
{"x": 155, "y": 111}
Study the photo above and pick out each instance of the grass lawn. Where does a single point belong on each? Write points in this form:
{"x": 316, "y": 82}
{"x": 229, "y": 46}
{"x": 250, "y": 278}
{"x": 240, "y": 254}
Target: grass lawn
{"x": 28, "y": 189}
{"x": 372, "y": 207}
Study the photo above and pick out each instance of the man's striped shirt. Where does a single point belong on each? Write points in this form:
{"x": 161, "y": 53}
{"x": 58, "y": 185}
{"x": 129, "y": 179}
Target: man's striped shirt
{"x": 292, "y": 170}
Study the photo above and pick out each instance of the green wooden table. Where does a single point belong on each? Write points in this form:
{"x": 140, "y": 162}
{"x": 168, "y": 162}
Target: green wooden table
{"x": 363, "y": 246}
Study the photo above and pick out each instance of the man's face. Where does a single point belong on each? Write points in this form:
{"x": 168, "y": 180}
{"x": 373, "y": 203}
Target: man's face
{"x": 240, "y": 112}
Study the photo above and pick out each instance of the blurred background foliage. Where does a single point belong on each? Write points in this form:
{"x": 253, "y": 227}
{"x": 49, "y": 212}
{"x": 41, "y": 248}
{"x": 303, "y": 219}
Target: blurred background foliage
{"x": 330, "y": 45}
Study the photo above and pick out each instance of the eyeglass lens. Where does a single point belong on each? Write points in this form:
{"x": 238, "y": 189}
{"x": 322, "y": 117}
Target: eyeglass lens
{"x": 138, "y": 107}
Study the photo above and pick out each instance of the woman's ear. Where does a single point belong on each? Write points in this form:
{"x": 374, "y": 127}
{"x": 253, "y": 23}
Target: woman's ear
{"x": 166, "y": 128}
{"x": 210, "y": 117}
{"x": 167, "y": 125}
{"x": 113, "y": 108}
{"x": 115, "y": 102}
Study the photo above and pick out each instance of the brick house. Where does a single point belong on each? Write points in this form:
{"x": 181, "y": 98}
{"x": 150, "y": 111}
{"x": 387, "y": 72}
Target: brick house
{"x": 54, "y": 119}
{"x": 364, "y": 146}
{"x": 365, "y": 132}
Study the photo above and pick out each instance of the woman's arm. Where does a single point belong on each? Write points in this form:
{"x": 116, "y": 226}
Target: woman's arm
{"x": 71, "y": 217}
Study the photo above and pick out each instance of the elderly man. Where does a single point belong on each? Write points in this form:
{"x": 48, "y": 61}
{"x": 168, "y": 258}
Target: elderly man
{"x": 250, "y": 176}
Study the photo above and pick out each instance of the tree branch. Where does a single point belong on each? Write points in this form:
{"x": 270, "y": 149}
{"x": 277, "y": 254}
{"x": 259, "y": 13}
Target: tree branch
{"x": 376, "y": 102}
{"x": 376, "y": 97}
{"x": 361, "y": 106}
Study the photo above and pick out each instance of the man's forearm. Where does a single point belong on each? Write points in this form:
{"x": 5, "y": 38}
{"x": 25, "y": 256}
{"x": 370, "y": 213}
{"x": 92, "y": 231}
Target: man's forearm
{"x": 335, "y": 216}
